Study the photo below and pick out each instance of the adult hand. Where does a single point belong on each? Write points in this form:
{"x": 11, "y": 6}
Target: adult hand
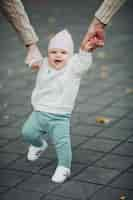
{"x": 34, "y": 57}
{"x": 95, "y": 35}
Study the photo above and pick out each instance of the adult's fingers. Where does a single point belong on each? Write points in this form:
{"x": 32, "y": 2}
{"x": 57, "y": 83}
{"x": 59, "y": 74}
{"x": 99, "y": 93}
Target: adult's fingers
{"x": 87, "y": 37}
{"x": 100, "y": 43}
{"x": 89, "y": 46}
{"x": 100, "y": 33}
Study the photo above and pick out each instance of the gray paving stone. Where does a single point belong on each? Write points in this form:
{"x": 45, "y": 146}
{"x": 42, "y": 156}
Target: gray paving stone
{"x": 17, "y": 111}
{"x": 111, "y": 193}
{"x": 85, "y": 108}
{"x": 99, "y": 144}
{"x": 25, "y": 165}
{"x": 97, "y": 175}
{"x": 124, "y": 149}
{"x": 38, "y": 183}
{"x": 74, "y": 121}
{"x": 6, "y": 120}
{"x": 11, "y": 178}
{"x": 94, "y": 91}
{"x": 17, "y": 84}
{"x": 114, "y": 161}
{"x": 115, "y": 133}
{"x": 125, "y": 124}
{"x": 114, "y": 111}
{"x": 3, "y": 189}
{"x": 55, "y": 197}
{"x": 74, "y": 116}
{"x": 130, "y": 139}
{"x": 83, "y": 130}
{"x": 123, "y": 103}
{"x": 130, "y": 116}
{"x": 9, "y": 133}
{"x": 125, "y": 181}
{"x": 85, "y": 156}
{"x": 130, "y": 169}
{"x": 105, "y": 97}
{"x": 76, "y": 190}
{"x": 3, "y": 142}
{"x": 103, "y": 100}
{"x": 21, "y": 195}
{"x": 7, "y": 158}
{"x": 127, "y": 100}
{"x": 20, "y": 100}
{"x": 17, "y": 146}
{"x": 77, "y": 140}
{"x": 83, "y": 119}
{"x": 119, "y": 91}
{"x": 81, "y": 98}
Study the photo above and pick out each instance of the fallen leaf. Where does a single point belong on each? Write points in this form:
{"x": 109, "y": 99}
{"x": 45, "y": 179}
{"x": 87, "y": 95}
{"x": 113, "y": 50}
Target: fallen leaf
{"x": 104, "y": 68}
{"x": 129, "y": 90}
{"x": 101, "y": 55}
{"x": 51, "y": 20}
{"x": 123, "y": 197}
{"x": 103, "y": 120}
{"x": 104, "y": 75}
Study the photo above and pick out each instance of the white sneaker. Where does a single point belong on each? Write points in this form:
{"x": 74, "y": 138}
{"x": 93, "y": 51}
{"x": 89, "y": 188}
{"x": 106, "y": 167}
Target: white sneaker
{"x": 35, "y": 152}
{"x": 61, "y": 174}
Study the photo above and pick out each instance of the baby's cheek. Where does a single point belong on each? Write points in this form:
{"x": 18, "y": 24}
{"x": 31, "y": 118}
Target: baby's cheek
{"x": 67, "y": 59}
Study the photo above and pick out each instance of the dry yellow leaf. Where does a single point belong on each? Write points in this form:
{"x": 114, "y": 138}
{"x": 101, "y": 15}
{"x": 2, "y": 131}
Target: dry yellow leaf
{"x": 123, "y": 198}
{"x": 104, "y": 75}
{"x": 101, "y": 54}
{"x": 104, "y": 68}
{"x": 129, "y": 90}
{"x": 51, "y": 20}
{"x": 103, "y": 120}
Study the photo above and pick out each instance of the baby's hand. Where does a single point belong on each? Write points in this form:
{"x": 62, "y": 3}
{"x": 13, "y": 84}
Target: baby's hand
{"x": 35, "y": 65}
{"x": 89, "y": 46}
{"x": 34, "y": 56}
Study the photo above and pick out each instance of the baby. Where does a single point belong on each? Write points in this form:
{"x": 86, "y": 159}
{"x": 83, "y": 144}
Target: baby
{"x": 53, "y": 99}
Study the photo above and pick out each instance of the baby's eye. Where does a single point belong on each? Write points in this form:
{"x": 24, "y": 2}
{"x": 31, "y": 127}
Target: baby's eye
{"x": 64, "y": 52}
{"x": 53, "y": 52}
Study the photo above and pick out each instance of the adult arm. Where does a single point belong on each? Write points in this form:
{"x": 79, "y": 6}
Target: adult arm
{"x": 107, "y": 10}
{"x": 96, "y": 30}
{"x": 15, "y": 13}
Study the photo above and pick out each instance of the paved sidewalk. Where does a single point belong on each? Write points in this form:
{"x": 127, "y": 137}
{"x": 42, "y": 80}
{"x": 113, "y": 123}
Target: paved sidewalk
{"x": 102, "y": 166}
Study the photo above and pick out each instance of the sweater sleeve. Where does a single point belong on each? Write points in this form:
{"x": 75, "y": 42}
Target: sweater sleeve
{"x": 81, "y": 62}
{"x": 107, "y": 9}
{"x": 15, "y": 13}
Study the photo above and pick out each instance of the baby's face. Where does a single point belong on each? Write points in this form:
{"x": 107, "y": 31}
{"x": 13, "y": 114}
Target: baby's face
{"x": 57, "y": 58}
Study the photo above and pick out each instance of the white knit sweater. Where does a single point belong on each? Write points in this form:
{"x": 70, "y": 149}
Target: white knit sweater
{"x": 56, "y": 90}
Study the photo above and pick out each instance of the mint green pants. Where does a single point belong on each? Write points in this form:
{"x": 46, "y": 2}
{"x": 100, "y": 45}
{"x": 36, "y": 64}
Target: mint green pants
{"x": 57, "y": 127}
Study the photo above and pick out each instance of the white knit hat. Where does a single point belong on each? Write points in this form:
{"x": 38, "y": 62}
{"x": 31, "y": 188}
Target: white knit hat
{"x": 62, "y": 40}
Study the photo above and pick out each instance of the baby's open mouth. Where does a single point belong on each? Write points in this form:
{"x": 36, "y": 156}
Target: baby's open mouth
{"x": 57, "y": 61}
